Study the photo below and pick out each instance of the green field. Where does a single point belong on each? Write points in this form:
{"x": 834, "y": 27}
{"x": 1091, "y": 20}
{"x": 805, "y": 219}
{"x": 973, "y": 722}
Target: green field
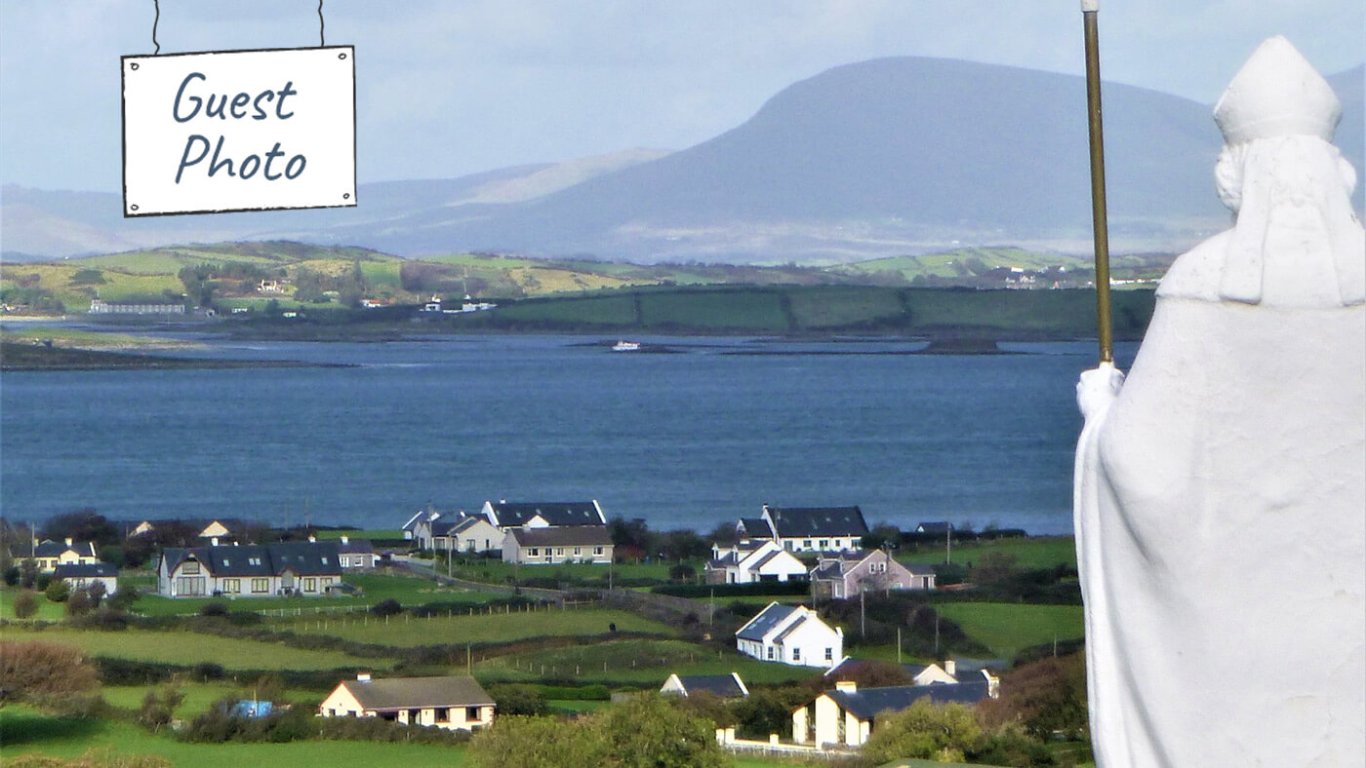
{"x": 1032, "y": 552}
{"x": 198, "y": 696}
{"x": 407, "y": 590}
{"x": 406, "y": 631}
{"x": 186, "y": 648}
{"x": 498, "y": 572}
{"x": 645, "y": 662}
{"x": 1008, "y": 629}
{"x": 47, "y": 611}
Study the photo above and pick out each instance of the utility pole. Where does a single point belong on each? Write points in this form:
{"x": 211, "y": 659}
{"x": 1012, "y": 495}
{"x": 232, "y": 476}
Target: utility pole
{"x": 948, "y": 543}
{"x": 898, "y": 646}
{"x": 862, "y": 619}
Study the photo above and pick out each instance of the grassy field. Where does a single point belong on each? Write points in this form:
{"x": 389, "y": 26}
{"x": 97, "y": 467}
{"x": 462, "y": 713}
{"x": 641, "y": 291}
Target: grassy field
{"x": 198, "y": 696}
{"x": 26, "y": 731}
{"x": 407, "y": 590}
{"x": 406, "y": 631}
{"x": 47, "y": 611}
{"x": 1033, "y": 552}
{"x": 185, "y": 648}
{"x": 498, "y": 572}
{"x": 646, "y": 662}
{"x": 1009, "y": 628}
{"x": 353, "y": 533}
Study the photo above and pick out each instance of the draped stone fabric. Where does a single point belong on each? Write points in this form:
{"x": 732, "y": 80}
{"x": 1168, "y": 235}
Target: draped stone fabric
{"x": 1220, "y": 488}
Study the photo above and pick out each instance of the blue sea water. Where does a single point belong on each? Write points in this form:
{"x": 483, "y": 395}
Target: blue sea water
{"x": 682, "y": 440}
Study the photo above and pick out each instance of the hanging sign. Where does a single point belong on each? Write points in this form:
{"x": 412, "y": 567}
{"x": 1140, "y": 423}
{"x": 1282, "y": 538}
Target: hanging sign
{"x": 239, "y": 131}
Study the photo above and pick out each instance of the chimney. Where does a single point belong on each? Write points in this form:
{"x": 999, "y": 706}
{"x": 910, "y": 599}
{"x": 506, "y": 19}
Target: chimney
{"x": 213, "y": 542}
{"x": 312, "y": 539}
{"x": 951, "y": 667}
{"x": 363, "y": 677}
{"x": 344, "y": 539}
{"x": 68, "y": 541}
{"x": 847, "y": 686}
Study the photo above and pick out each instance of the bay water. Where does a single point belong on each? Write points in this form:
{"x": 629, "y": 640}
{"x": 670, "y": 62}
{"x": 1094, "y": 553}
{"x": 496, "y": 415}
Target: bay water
{"x": 690, "y": 439}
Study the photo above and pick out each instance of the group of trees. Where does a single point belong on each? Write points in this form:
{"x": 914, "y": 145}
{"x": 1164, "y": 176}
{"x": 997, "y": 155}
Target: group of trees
{"x": 633, "y": 540}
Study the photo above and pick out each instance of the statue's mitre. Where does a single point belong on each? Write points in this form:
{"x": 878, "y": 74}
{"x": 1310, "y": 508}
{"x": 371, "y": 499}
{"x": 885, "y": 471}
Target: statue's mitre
{"x": 1277, "y": 93}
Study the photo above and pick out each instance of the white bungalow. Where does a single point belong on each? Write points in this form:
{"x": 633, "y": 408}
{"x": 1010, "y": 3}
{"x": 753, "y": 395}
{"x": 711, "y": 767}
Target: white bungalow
{"x": 748, "y": 562}
{"x": 791, "y": 635}
{"x": 456, "y": 703}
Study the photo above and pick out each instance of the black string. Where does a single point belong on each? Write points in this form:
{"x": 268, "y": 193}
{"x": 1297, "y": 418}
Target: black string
{"x": 157, "y": 5}
{"x": 322, "y": 25}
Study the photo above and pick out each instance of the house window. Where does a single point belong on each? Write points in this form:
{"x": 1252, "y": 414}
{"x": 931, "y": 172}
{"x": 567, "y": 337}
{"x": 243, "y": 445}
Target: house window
{"x": 770, "y": 653}
{"x": 559, "y": 551}
{"x": 189, "y": 586}
{"x": 260, "y": 586}
{"x": 310, "y": 585}
{"x": 796, "y": 654}
{"x": 535, "y": 551}
{"x": 324, "y": 556}
{"x": 471, "y": 713}
{"x": 190, "y": 567}
{"x": 829, "y": 654}
{"x": 578, "y": 550}
{"x": 806, "y": 544}
{"x": 255, "y": 560}
{"x": 877, "y": 568}
{"x": 443, "y": 714}
{"x": 327, "y": 581}
{"x": 825, "y": 543}
{"x": 232, "y": 586}
{"x": 597, "y": 550}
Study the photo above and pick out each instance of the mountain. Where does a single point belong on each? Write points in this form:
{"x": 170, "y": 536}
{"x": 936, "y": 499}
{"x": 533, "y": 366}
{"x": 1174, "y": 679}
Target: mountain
{"x": 875, "y": 159}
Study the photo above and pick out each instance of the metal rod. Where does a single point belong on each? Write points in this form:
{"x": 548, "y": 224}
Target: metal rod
{"x": 1090, "y": 9}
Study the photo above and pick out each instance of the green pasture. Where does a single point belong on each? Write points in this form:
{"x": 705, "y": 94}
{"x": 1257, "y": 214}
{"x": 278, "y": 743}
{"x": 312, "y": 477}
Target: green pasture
{"x": 187, "y": 648}
{"x": 1008, "y": 628}
{"x": 834, "y": 307}
{"x": 406, "y": 630}
{"x": 47, "y": 610}
{"x": 492, "y": 571}
{"x": 647, "y": 662}
{"x": 375, "y": 587}
{"x": 603, "y": 310}
{"x": 1032, "y": 552}
{"x": 26, "y": 731}
{"x": 355, "y": 533}
{"x": 732, "y": 310}
{"x": 198, "y": 696}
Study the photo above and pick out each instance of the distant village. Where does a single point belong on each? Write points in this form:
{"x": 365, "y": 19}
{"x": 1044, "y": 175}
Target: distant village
{"x": 831, "y": 552}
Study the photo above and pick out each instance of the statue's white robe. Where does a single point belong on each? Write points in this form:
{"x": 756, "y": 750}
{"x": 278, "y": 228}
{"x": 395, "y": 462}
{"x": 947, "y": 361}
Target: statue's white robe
{"x": 1220, "y": 509}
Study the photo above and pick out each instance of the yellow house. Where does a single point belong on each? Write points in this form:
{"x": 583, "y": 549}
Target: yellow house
{"x": 456, "y": 703}
{"x": 50, "y": 554}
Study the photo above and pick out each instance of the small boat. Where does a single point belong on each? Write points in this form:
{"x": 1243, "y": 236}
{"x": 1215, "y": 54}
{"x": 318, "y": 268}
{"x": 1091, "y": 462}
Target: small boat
{"x": 626, "y": 346}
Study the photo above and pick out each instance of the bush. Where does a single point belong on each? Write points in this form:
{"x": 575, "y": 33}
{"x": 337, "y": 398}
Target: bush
{"x": 517, "y": 699}
{"x": 387, "y": 607}
{"x": 79, "y": 604}
{"x": 158, "y": 706}
{"x": 57, "y": 591}
{"x": 91, "y": 759}
{"x": 924, "y": 730}
{"x": 207, "y": 670}
{"x": 215, "y": 608}
{"x": 25, "y": 604}
{"x": 45, "y": 674}
{"x": 123, "y": 599}
{"x": 11, "y": 575}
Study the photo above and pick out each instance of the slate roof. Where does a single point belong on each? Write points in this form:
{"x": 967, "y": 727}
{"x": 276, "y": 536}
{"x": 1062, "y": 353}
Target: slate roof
{"x": 418, "y": 692}
{"x": 867, "y": 703}
{"x": 304, "y": 558}
{"x": 756, "y": 527}
{"x": 49, "y": 548}
{"x": 795, "y": 522}
{"x": 574, "y": 536}
{"x": 85, "y": 571}
{"x": 724, "y": 686}
{"x": 356, "y": 547}
{"x": 763, "y": 623}
{"x": 556, "y": 513}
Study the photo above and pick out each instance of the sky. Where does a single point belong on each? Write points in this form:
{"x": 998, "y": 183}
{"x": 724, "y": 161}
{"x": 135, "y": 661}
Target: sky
{"x": 447, "y": 88}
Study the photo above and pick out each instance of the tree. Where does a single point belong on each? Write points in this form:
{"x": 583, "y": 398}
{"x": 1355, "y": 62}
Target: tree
{"x": 993, "y": 569}
{"x": 25, "y": 604}
{"x": 57, "y": 591}
{"x": 82, "y": 525}
{"x": 944, "y": 733}
{"x": 648, "y": 731}
{"x": 96, "y": 592}
{"x": 883, "y": 534}
{"x": 28, "y": 573}
{"x": 79, "y": 603}
{"x": 158, "y": 706}
{"x": 768, "y": 711}
{"x": 515, "y": 699}
{"x": 516, "y": 741}
{"x": 1044, "y": 697}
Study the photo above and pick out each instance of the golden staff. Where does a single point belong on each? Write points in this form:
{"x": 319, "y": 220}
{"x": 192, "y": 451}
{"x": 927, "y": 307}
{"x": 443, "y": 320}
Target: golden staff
{"x": 1089, "y": 9}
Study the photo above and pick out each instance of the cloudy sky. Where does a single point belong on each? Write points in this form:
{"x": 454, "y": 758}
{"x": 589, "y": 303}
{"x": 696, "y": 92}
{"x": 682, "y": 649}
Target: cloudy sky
{"x": 451, "y": 87}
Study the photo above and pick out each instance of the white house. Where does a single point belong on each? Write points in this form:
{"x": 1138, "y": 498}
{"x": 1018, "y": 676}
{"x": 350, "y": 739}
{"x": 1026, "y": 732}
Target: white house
{"x": 726, "y": 687}
{"x": 358, "y": 555}
{"x": 258, "y": 570}
{"x": 807, "y": 529}
{"x": 85, "y": 575}
{"x": 847, "y": 716}
{"x": 548, "y": 546}
{"x": 751, "y": 561}
{"x": 456, "y": 703}
{"x": 472, "y": 533}
{"x": 419, "y": 522}
{"x": 791, "y": 635}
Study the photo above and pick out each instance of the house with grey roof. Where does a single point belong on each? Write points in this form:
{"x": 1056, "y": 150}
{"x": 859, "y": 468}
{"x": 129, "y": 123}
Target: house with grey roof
{"x": 847, "y": 716}
{"x": 467, "y": 533}
{"x": 791, "y": 635}
{"x": 358, "y": 555}
{"x": 543, "y": 514}
{"x": 726, "y": 687}
{"x": 549, "y": 546}
{"x": 49, "y": 554}
{"x": 308, "y": 568}
{"x": 846, "y": 574}
{"x": 86, "y": 575}
{"x": 750, "y": 561}
{"x": 419, "y": 524}
{"x": 456, "y": 703}
{"x": 807, "y": 529}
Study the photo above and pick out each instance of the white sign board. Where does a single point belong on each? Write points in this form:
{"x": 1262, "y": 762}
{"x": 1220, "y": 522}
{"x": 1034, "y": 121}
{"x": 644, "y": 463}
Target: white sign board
{"x": 239, "y": 131}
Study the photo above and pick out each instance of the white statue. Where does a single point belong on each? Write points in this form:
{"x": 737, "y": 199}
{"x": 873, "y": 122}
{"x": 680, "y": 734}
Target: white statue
{"x": 1220, "y": 499}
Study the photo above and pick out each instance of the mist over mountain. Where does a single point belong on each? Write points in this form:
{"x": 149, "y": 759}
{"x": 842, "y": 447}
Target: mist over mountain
{"x": 878, "y": 158}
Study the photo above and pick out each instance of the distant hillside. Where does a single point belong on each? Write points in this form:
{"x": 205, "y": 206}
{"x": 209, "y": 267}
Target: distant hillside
{"x": 254, "y": 274}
